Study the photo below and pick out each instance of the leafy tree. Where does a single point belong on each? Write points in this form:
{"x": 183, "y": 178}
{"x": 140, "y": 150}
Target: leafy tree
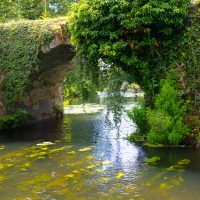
{"x": 59, "y": 7}
{"x": 9, "y": 10}
{"x": 31, "y": 9}
{"x": 147, "y": 39}
{"x": 134, "y": 35}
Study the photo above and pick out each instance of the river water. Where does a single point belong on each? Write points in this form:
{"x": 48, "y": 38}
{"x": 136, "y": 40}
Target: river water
{"x": 79, "y": 158}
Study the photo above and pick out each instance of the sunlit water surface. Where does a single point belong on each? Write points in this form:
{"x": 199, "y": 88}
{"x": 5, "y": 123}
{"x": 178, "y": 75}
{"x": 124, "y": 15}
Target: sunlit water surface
{"x": 79, "y": 158}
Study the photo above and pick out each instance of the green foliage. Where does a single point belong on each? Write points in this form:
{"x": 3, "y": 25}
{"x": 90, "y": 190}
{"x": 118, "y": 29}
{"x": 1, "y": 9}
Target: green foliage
{"x": 78, "y": 84}
{"x": 136, "y": 137}
{"x": 166, "y": 120}
{"x": 20, "y": 43}
{"x": 12, "y": 121}
{"x": 146, "y": 39}
{"x": 152, "y": 160}
{"x": 57, "y": 109}
{"x": 136, "y": 35}
{"x": 114, "y": 100}
{"x": 33, "y": 9}
{"x": 9, "y": 9}
{"x": 178, "y": 132}
{"x": 139, "y": 116}
{"x": 189, "y": 67}
{"x": 169, "y": 98}
{"x": 164, "y": 123}
{"x": 160, "y": 124}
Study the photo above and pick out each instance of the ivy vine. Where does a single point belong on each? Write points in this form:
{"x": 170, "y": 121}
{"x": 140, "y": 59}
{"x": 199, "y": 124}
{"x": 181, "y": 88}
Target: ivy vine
{"x": 20, "y": 43}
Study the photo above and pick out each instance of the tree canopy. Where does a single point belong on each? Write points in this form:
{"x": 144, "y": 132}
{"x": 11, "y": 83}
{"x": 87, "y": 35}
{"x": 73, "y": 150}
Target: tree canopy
{"x": 157, "y": 43}
{"x": 134, "y": 35}
{"x": 33, "y": 9}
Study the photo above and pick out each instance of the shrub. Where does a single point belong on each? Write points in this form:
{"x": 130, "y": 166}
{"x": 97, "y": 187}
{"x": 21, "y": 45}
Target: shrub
{"x": 178, "y": 132}
{"x": 139, "y": 116}
{"x": 160, "y": 123}
{"x": 166, "y": 120}
{"x": 157, "y": 138}
{"x": 12, "y": 121}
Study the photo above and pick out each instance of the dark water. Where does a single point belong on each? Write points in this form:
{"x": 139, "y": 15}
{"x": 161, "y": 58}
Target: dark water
{"x": 79, "y": 158}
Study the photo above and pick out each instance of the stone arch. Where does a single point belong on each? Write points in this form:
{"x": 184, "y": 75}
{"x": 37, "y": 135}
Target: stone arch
{"x": 45, "y": 90}
{"x": 55, "y": 62}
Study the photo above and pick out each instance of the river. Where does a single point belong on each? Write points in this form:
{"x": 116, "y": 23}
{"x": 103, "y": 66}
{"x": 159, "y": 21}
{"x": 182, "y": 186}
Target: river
{"x": 79, "y": 158}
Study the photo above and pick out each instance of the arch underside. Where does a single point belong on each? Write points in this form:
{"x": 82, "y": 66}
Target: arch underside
{"x": 46, "y": 83}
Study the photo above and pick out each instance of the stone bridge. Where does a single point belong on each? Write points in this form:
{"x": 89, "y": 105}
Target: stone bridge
{"x": 45, "y": 91}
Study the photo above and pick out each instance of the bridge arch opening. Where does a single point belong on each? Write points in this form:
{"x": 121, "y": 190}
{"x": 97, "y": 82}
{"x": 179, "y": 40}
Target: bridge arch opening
{"x": 44, "y": 97}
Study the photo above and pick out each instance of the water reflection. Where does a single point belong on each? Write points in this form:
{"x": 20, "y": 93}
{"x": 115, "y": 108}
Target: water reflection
{"x": 87, "y": 160}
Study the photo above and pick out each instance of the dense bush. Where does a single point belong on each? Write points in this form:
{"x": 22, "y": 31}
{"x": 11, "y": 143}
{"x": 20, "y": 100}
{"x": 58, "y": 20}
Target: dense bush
{"x": 14, "y": 120}
{"x": 139, "y": 116}
{"x": 164, "y": 123}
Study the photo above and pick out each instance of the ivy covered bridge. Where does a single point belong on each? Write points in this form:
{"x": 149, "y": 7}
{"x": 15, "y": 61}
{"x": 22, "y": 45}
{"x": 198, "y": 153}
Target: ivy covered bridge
{"x": 35, "y": 57}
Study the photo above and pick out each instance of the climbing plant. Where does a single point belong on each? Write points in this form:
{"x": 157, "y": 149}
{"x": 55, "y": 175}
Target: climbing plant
{"x": 20, "y": 44}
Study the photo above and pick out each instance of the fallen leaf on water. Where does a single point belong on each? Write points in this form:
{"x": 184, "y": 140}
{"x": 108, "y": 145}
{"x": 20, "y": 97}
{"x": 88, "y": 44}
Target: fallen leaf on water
{"x": 148, "y": 184}
{"x": 69, "y": 176}
{"x": 119, "y": 175}
{"x": 165, "y": 186}
{"x": 99, "y": 170}
{"x": 28, "y": 164}
{"x": 177, "y": 181}
{"x": 81, "y": 162}
{"x": 153, "y": 160}
{"x": 45, "y": 144}
{"x": 76, "y": 172}
{"x": 71, "y": 152}
{"x": 2, "y": 178}
{"x": 89, "y": 157}
{"x": 184, "y": 162}
{"x": 44, "y": 148}
{"x": 106, "y": 162}
{"x": 38, "y": 155}
{"x": 104, "y": 180}
{"x": 91, "y": 166}
{"x": 69, "y": 147}
{"x": 85, "y": 149}
{"x": 2, "y": 147}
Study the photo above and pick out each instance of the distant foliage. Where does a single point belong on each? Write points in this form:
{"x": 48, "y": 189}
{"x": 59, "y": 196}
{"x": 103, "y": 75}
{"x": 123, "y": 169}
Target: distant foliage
{"x": 78, "y": 85}
{"x": 33, "y": 9}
